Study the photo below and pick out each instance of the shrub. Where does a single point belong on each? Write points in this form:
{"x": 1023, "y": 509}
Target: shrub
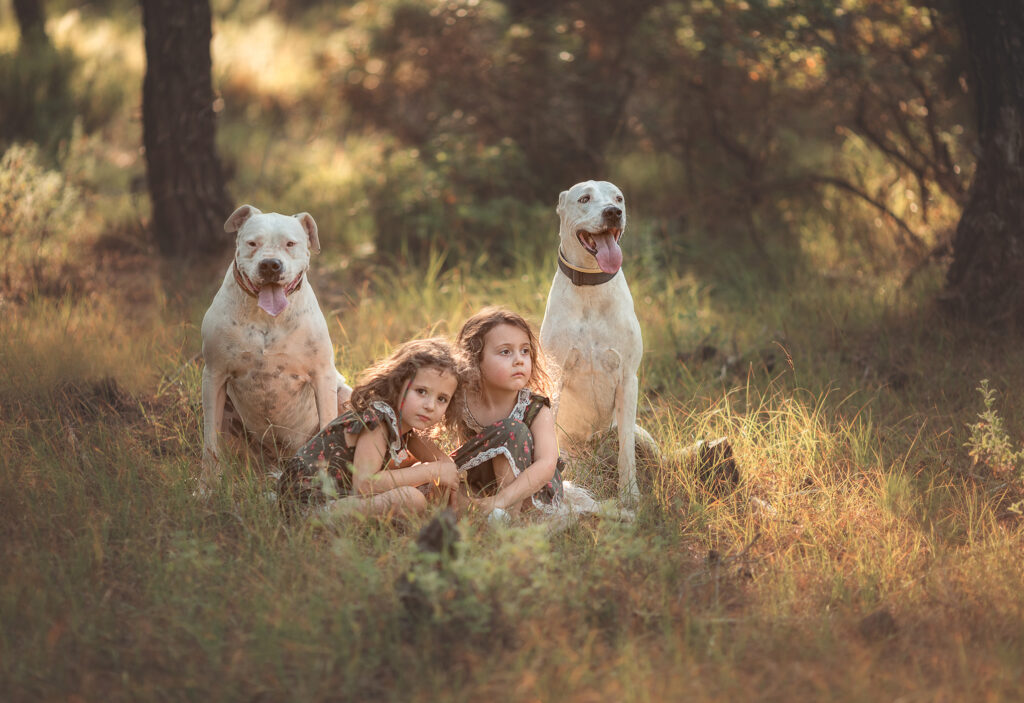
{"x": 37, "y": 206}
{"x": 989, "y": 443}
{"x": 37, "y": 98}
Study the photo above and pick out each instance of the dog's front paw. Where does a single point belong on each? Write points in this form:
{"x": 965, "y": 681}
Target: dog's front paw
{"x": 208, "y": 478}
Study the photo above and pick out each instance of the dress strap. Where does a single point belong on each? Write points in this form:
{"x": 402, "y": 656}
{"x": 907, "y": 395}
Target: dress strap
{"x": 536, "y": 403}
{"x": 396, "y": 441}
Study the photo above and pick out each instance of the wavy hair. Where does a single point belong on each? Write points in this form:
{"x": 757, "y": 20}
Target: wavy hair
{"x": 385, "y": 380}
{"x": 470, "y": 344}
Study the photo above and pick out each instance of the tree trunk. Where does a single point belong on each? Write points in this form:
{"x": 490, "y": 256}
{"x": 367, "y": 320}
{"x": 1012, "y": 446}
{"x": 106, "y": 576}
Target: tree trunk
{"x": 986, "y": 278}
{"x": 31, "y": 21}
{"x": 186, "y": 182}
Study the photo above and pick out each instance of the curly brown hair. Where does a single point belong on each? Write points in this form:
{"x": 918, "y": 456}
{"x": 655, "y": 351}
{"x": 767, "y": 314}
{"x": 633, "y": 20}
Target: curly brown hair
{"x": 470, "y": 344}
{"x": 386, "y": 379}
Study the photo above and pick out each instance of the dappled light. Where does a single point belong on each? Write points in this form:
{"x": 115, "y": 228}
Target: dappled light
{"x": 795, "y": 174}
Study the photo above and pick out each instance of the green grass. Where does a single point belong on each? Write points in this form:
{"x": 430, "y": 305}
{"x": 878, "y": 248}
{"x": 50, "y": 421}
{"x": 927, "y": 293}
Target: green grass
{"x": 875, "y": 477}
{"x": 119, "y": 585}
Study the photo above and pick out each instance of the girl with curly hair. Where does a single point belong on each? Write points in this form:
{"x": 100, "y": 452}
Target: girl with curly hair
{"x": 376, "y": 458}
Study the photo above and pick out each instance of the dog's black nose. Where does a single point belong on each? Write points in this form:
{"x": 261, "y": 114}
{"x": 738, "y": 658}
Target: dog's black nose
{"x": 612, "y": 213}
{"x": 270, "y": 268}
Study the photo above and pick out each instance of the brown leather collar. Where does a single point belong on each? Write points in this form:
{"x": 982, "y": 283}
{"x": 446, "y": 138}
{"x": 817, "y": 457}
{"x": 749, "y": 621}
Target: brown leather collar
{"x": 582, "y": 277}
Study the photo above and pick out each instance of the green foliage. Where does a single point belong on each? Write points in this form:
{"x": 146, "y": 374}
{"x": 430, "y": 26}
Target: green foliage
{"x": 37, "y": 99}
{"x": 776, "y": 119}
{"x": 450, "y": 198}
{"x": 990, "y": 444}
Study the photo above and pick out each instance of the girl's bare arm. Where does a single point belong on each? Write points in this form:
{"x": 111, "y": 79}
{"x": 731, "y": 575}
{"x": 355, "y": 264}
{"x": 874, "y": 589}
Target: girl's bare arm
{"x": 368, "y": 479}
{"x": 533, "y": 478}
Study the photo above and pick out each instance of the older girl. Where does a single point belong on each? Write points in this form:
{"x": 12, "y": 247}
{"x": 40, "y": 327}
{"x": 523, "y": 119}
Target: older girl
{"x": 509, "y": 451}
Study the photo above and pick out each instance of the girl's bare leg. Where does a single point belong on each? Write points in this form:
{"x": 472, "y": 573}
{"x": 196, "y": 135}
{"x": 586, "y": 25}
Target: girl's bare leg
{"x": 504, "y": 475}
{"x": 403, "y": 501}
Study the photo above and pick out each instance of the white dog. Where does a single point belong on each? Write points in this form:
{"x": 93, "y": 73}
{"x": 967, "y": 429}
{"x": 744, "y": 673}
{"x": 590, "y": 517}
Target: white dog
{"x": 265, "y": 341}
{"x": 590, "y": 327}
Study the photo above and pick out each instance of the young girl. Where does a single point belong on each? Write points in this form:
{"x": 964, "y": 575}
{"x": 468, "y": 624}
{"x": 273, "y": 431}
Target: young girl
{"x": 510, "y": 453}
{"x": 366, "y": 457}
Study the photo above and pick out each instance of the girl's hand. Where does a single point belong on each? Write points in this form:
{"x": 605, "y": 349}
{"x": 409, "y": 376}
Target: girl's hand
{"x": 448, "y": 474}
{"x": 484, "y": 505}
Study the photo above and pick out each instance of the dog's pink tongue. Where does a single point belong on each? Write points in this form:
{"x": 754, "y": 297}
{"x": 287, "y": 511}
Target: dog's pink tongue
{"x": 609, "y": 256}
{"x": 272, "y": 299}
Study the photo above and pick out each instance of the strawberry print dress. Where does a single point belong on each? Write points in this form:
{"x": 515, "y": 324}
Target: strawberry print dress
{"x": 322, "y": 469}
{"x": 510, "y": 437}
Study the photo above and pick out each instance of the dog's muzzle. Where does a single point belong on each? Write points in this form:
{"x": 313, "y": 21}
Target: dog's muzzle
{"x": 271, "y": 297}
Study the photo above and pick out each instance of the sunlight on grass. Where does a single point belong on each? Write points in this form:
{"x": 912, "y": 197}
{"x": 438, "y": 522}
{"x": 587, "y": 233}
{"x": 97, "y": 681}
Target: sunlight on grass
{"x": 870, "y": 550}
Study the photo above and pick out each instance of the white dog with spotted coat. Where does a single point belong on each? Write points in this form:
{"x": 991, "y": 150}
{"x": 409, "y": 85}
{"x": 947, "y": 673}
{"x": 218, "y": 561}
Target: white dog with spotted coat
{"x": 266, "y": 346}
{"x": 590, "y": 327}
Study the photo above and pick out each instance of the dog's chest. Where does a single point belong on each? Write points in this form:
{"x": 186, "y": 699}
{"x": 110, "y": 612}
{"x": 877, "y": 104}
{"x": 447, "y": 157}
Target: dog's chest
{"x": 592, "y": 330}
{"x": 285, "y": 356}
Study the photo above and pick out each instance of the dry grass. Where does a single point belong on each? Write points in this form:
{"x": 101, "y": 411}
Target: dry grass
{"x": 867, "y": 553}
{"x": 862, "y": 555}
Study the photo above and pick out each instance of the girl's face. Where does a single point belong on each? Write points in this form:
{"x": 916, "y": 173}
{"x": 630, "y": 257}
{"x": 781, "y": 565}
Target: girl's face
{"x": 426, "y": 398}
{"x": 505, "y": 363}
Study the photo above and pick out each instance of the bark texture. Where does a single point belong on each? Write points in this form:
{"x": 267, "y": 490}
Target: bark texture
{"x": 186, "y": 181}
{"x": 986, "y": 278}
{"x": 31, "y": 20}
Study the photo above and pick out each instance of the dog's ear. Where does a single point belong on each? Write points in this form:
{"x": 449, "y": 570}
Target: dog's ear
{"x": 308, "y": 224}
{"x": 238, "y": 218}
{"x": 562, "y": 197}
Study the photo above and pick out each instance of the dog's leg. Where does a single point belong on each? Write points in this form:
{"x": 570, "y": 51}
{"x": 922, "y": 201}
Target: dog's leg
{"x": 625, "y": 417}
{"x": 325, "y": 390}
{"x": 344, "y": 392}
{"x": 214, "y": 397}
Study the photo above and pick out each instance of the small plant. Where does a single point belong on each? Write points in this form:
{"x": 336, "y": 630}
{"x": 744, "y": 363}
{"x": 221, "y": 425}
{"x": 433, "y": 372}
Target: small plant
{"x": 38, "y": 210}
{"x": 989, "y": 443}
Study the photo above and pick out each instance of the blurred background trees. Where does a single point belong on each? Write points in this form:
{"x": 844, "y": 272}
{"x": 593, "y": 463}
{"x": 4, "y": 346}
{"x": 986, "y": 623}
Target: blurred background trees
{"x": 824, "y": 135}
{"x": 986, "y": 278}
{"x": 186, "y": 181}
{"x": 758, "y": 120}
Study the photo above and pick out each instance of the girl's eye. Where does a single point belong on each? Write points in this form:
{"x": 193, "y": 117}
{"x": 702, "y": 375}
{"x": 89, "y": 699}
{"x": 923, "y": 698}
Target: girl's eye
{"x": 443, "y": 400}
{"x": 584, "y": 199}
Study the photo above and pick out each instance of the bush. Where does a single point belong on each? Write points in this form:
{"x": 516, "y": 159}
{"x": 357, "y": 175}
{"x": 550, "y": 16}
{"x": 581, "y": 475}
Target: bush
{"x": 989, "y": 443}
{"x": 36, "y": 94}
{"x": 37, "y": 207}
{"x": 452, "y": 196}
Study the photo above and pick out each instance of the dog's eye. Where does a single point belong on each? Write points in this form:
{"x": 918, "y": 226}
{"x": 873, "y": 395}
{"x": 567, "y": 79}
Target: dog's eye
{"x": 584, "y": 199}
{"x": 252, "y": 244}
{"x": 291, "y": 244}
{"x": 618, "y": 198}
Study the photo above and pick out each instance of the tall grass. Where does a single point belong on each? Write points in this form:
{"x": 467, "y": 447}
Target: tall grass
{"x": 118, "y": 584}
{"x": 870, "y": 551}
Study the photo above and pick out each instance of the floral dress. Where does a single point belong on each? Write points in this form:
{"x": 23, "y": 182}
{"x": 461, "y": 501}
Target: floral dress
{"x": 512, "y": 438}
{"x": 322, "y": 469}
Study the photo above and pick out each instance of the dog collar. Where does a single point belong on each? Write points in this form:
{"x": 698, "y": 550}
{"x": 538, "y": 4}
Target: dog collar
{"x": 580, "y": 276}
{"x": 245, "y": 285}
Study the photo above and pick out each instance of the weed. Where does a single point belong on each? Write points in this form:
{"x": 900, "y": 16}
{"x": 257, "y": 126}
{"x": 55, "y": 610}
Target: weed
{"x": 990, "y": 444}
